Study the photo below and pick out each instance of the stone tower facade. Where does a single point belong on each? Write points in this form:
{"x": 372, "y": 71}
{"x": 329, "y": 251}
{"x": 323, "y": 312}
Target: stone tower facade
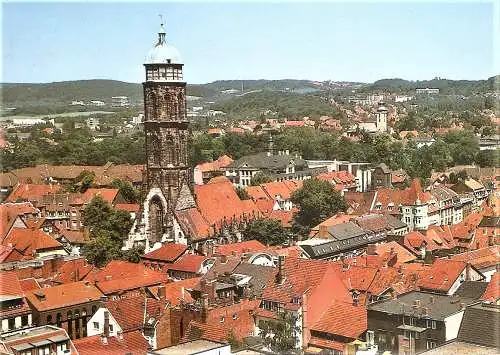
{"x": 167, "y": 174}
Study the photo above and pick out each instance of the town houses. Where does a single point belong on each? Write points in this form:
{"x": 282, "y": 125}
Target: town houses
{"x": 167, "y": 258}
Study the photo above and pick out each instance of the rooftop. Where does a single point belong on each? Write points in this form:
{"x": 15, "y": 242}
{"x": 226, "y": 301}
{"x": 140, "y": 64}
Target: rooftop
{"x": 63, "y": 295}
{"x": 436, "y": 306}
{"x": 190, "y": 347}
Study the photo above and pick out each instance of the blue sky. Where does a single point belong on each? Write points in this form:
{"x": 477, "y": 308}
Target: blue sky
{"x": 48, "y": 42}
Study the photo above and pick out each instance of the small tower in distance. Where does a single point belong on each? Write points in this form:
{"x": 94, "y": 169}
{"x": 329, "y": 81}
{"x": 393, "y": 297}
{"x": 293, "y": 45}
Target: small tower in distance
{"x": 382, "y": 117}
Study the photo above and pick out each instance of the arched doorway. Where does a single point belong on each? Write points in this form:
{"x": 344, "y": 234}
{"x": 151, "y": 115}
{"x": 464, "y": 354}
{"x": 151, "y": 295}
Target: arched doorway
{"x": 156, "y": 213}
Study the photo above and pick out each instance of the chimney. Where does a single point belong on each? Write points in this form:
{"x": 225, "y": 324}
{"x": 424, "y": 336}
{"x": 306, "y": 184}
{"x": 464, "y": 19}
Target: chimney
{"x": 462, "y": 305}
{"x": 467, "y": 272}
{"x": 119, "y": 335}
{"x": 345, "y": 264}
{"x": 323, "y": 231}
{"x": 371, "y": 249}
{"x": 279, "y": 277}
{"x": 490, "y": 241}
{"x": 223, "y": 259}
{"x": 204, "y": 307}
{"x": 106, "y": 325}
{"x": 161, "y": 293}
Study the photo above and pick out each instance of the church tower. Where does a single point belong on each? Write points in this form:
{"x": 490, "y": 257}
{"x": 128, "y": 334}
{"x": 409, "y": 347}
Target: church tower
{"x": 166, "y": 127}
{"x": 381, "y": 118}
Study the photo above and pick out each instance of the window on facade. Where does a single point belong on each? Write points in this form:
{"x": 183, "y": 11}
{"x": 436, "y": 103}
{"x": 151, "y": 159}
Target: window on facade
{"x": 110, "y": 328}
{"x": 412, "y": 321}
{"x": 433, "y": 324}
{"x": 24, "y": 321}
{"x": 49, "y": 319}
{"x": 94, "y": 309}
{"x": 431, "y": 344}
{"x": 12, "y": 323}
{"x": 370, "y": 337}
{"x": 96, "y": 325}
{"x": 69, "y": 314}
{"x": 381, "y": 338}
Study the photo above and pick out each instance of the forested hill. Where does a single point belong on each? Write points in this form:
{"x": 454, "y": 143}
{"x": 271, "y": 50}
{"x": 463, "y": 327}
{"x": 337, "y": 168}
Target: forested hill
{"x": 454, "y": 87}
{"x": 62, "y": 93}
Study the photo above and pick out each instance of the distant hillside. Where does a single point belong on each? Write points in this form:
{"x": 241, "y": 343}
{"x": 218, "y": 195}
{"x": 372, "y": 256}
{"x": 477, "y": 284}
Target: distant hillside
{"x": 62, "y": 93}
{"x": 247, "y": 85}
{"x": 456, "y": 87}
{"x": 285, "y": 104}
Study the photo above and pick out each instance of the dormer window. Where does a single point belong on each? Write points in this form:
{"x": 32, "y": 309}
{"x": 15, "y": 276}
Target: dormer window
{"x": 221, "y": 319}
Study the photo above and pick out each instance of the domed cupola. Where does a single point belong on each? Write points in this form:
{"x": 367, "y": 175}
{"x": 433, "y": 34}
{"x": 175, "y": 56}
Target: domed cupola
{"x": 163, "y": 62}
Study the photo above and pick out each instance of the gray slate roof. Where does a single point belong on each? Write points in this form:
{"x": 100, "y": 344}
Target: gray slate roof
{"x": 471, "y": 289}
{"x": 481, "y": 325}
{"x": 440, "y": 308}
{"x": 347, "y": 230}
{"x": 263, "y": 161}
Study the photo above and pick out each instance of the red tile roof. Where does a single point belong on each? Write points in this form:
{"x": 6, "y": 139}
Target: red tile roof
{"x": 9, "y": 254}
{"x": 194, "y": 224}
{"x": 133, "y": 343}
{"x": 167, "y": 253}
{"x": 492, "y": 292}
{"x": 72, "y": 271}
{"x": 10, "y": 211}
{"x": 301, "y": 275}
{"x": 29, "y": 284}
{"x": 221, "y": 322}
{"x": 63, "y": 295}
{"x": 295, "y": 123}
{"x": 240, "y": 248}
{"x": 333, "y": 320}
{"x": 173, "y": 291}
{"x": 257, "y": 193}
{"x": 129, "y": 207}
{"x": 31, "y": 192}
{"x": 275, "y": 189}
{"x": 188, "y": 263}
{"x": 107, "y": 195}
{"x": 132, "y": 310}
{"x": 207, "y": 331}
{"x": 229, "y": 206}
{"x": 441, "y": 275}
{"x": 284, "y": 217}
{"x": 327, "y": 344}
{"x": 480, "y": 258}
{"x": 10, "y": 286}
{"x": 403, "y": 254}
{"x": 29, "y": 241}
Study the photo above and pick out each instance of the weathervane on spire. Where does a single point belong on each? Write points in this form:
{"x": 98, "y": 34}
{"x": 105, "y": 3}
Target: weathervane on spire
{"x": 161, "y": 34}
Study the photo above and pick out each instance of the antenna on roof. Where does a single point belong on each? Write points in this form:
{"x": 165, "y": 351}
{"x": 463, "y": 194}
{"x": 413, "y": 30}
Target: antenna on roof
{"x": 161, "y": 19}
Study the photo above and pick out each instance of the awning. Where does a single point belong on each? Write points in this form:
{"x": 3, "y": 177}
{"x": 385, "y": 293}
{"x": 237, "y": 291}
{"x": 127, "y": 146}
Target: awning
{"x": 58, "y": 338}
{"x": 21, "y": 347}
{"x": 41, "y": 343}
{"x": 412, "y": 328}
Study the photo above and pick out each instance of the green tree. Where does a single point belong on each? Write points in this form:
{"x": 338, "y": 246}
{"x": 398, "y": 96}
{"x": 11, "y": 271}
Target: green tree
{"x": 126, "y": 190}
{"x": 266, "y": 231}
{"x": 108, "y": 227}
{"x": 317, "y": 200}
{"x": 101, "y": 249}
{"x": 96, "y": 214}
{"x": 281, "y": 335}
{"x": 260, "y": 178}
{"x": 242, "y": 193}
{"x": 487, "y": 158}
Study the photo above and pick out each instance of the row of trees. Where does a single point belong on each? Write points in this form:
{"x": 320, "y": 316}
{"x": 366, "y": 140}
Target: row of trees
{"x": 108, "y": 228}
